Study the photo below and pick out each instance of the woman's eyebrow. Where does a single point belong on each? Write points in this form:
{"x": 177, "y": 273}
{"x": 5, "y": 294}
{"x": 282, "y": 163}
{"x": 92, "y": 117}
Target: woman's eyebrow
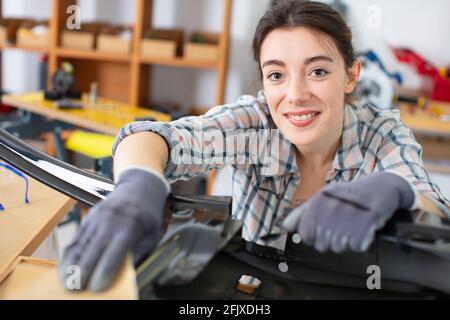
{"x": 317, "y": 58}
{"x": 273, "y": 62}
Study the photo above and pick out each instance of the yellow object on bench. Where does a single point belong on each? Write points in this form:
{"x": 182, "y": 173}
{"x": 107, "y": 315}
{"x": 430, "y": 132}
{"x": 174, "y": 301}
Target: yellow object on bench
{"x": 92, "y": 145}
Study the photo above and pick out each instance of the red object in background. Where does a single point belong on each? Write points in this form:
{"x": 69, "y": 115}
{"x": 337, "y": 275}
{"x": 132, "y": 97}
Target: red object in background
{"x": 4, "y": 108}
{"x": 441, "y": 91}
{"x": 422, "y": 66}
{"x": 441, "y": 85}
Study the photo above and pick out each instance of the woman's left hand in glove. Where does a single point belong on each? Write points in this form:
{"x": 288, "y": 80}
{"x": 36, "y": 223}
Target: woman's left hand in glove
{"x": 346, "y": 215}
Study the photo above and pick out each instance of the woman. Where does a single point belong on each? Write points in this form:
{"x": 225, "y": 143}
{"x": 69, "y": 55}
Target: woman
{"x": 351, "y": 166}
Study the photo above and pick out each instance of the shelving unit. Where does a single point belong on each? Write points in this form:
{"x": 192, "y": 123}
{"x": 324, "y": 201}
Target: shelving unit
{"x": 24, "y": 48}
{"x": 179, "y": 62}
{"x": 92, "y": 55}
{"x": 126, "y": 77}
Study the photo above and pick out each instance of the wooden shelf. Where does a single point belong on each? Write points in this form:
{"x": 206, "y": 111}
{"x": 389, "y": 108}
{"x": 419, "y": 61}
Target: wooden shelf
{"x": 30, "y": 49}
{"x": 92, "y": 55}
{"x": 179, "y": 62}
{"x": 125, "y": 77}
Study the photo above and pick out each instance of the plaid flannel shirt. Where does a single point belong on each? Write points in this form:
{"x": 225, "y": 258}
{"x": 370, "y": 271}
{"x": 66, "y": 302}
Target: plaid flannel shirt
{"x": 372, "y": 140}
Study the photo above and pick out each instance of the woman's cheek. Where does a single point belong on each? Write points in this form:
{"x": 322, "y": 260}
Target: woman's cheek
{"x": 326, "y": 91}
{"x": 274, "y": 98}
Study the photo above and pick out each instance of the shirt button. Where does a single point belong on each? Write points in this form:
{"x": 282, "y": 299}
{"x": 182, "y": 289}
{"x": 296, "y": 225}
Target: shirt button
{"x": 283, "y": 267}
{"x": 296, "y": 238}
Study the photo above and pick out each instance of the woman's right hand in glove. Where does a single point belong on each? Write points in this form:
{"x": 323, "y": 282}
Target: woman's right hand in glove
{"x": 131, "y": 216}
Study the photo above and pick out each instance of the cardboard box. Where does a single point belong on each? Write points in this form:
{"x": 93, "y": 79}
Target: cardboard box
{"x": 27, "y": 38}
{"x": 159, "y": 48}
{"x": 204, "y": 52}
{"x": 113, "y": 44}
{"x": 78, "y": 40}
{"x": 162, "y": 43}
{"x": 83, "y": 39}
{"x": 115, "y": 39}
{"x": 205, "y": 47}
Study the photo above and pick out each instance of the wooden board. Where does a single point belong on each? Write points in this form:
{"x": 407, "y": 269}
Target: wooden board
{"x": 422, "y": 122}
{"x": 23, "y": 227}
{"x": 106, "y": 116}
{"x": 35, "y": 279}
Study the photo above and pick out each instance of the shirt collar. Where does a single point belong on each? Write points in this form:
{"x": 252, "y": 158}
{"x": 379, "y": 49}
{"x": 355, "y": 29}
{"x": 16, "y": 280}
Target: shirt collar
{"x": 349, "y": 155}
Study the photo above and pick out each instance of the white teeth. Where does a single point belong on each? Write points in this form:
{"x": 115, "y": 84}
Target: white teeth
{"x": 303, "y": 117}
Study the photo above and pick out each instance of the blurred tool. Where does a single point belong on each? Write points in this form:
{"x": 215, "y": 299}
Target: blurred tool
{"x": 93, "y": 93}
{"x": 21, "y": 175}
{"x": 43, "y": 67}
{"x": 375, "y": 85}
{"x": 438, "y": 76}
{"x": 435, "y": 108}
{"x": 67, "y": 104}
{"x": 63, "y": 84}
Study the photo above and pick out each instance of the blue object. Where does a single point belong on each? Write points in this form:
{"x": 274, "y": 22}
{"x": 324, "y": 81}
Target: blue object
{"x": 20, "y": 174}
{"x": 372, "y": 56}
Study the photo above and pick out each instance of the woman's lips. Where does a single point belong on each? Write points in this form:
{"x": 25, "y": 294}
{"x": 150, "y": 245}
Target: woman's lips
{"x": 302, "y": 119}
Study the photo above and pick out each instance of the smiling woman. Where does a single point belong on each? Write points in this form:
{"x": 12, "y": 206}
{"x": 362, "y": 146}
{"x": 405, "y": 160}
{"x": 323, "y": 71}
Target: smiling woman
{"x": 309, "y": 71}
{"x": 351, "y": 167}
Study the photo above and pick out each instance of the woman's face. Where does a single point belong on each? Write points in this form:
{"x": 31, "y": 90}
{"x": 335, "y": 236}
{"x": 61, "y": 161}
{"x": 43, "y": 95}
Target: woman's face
{"x": 305, "y": 82}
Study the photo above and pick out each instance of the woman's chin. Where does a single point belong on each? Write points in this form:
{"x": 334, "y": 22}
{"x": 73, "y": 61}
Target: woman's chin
{"x": 300, "y": 137}
{"x": 303, "y": 141}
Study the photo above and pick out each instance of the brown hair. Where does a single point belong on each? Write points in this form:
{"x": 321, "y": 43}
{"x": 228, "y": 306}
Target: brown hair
{"x": 286, "y": 14}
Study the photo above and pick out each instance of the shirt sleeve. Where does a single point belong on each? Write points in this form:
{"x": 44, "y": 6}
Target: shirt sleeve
{"x": 198, "y": 144}
{"x": 402, "y": 154}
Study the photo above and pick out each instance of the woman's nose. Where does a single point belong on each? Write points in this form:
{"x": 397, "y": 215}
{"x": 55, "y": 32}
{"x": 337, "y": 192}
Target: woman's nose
{"x": 298, "y": 92}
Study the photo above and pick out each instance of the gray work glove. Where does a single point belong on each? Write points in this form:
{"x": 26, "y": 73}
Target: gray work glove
{"x": 130, "y": 216}
{"x": 346, "y": 215}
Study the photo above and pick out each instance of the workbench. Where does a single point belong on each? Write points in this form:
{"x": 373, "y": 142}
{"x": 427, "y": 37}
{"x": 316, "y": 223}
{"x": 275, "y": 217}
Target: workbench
{"x": 105, "y": 116}
{"x": 424, "y": 123}
{"x": 23, "y": 227}
{"x": 108, "y": 116}
{"x": 431, "y": 132}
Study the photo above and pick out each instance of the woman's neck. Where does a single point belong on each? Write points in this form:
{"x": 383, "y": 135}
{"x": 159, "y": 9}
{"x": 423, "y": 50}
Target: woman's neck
{"x": 318, "y": 156}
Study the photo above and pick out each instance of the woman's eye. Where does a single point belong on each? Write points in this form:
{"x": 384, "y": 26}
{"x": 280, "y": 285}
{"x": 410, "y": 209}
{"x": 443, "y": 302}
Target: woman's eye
{"x": 275, "y": 76}
{"x": 319, "y": 73}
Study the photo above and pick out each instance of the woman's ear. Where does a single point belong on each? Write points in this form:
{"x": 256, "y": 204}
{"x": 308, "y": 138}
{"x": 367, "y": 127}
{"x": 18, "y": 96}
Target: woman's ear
{"x": 353, "y": 76}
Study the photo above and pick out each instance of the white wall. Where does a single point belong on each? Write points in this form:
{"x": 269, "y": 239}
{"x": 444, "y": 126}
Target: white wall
{"x": 20, "y": 69}
{"x": 420, "y": 25}
{"x": 191, "y": 87}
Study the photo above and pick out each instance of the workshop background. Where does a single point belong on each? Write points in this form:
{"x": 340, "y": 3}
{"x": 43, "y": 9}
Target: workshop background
{"x": 383, "y": 30}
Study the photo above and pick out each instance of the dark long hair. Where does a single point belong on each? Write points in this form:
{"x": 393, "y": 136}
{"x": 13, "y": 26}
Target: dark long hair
{"x": 288, "y": 14}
